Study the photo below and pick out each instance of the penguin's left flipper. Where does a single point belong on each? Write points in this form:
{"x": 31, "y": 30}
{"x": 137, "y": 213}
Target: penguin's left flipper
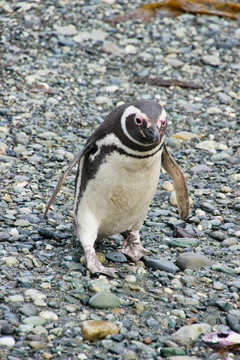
{"x": 179, "y": 183}
{"x": 77, "y": 158}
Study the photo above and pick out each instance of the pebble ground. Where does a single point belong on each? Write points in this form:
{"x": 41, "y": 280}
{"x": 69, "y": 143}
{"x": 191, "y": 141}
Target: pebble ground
{"x": 63, "y": 68}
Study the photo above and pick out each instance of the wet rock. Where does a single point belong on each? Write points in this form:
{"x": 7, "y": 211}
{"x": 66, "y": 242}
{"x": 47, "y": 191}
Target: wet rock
{"x": 193, "y": 261}
{"x": 116, "y": 256}
{"x": 160, "y": 264}
{"x": 97, "y": 329}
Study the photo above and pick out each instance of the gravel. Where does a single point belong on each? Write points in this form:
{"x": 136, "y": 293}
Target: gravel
{"x": 63, "y": 68}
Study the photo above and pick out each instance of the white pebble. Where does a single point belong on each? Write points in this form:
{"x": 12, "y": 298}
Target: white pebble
{"x": 48, "y": 315}
{"x": 7, "y": 341}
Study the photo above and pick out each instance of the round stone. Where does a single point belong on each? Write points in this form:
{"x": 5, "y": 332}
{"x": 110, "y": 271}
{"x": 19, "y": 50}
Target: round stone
{"x": 104, "y": 300}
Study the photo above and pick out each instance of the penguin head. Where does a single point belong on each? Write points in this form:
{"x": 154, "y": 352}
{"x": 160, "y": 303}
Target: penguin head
{"x": 144, "y": 123}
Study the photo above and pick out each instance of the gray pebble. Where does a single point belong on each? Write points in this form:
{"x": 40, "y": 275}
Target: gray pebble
{"x": 184, "y": 242}
{"x": 104, "y": 300}
{"x": 29, "y": 310}
{"x": 160, "y": 264}
{"x": 116, "y": 256}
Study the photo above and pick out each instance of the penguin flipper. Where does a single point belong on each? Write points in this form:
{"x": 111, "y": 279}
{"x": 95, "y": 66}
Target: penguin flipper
{"x": 179, "y": 182}
{"x": 77, "y": 158}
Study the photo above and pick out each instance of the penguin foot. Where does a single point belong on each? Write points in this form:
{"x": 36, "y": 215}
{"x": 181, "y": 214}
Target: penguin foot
{"x": 135, "y": 252}
{"x": 94, "y": 265}
{"x": 99, "y": 268}
{"x": 132, "y": 246}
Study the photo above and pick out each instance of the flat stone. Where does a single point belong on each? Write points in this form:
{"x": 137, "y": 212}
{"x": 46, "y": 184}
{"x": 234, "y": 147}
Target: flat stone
{"x": 68, "y": 30}
{"x": 111, "y": 47}
{"x": 166, "y": 352}
{"x": 187, "y": 334}
{"x": 184, "y": 242}
{"x": 29, "y": 310}
{"x": 99, "y": 285}
{"x": 11, "y": 261}
{"x": 97, "y": 329}
{"x": 104, "y": 300}
{"x": 38, "y": 330}
{"x": 179, "y": 357}
{"x": 130, "y": 278}
{"x": 34, "y": 320}
{"x": 21, "y": 223}
{"x": 160, "y": 264}
{"x": 234, "y": 177}
{"x": 35, "y": 294}
{"x": 15, "y": 298}
{"x": 185, "y": 135}
{"x": 211, "y": 145}
{"x": 168, "y": 186}
{"x": 37, "y": 345}
{"x": 116, "y": 256}
{"x": 48, "y": 315}
{"x": 218, "y": 235}
{"x": 211, "y": 60}
{"x": 200, "y": 168}
{"x": 22, "y": 138}
{"x": 208, "y": 206}
{"x": 4, "y": 236}
{"x": 236, "y": 284}
{"x": 193, "y": 261}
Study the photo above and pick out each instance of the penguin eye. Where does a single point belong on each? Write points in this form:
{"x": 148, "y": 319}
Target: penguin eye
{"x": 138, "y": 121}
{"x": 163, "y": 122}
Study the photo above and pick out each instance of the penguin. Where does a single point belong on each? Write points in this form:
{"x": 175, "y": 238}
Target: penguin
{"x": 117, "y": 177}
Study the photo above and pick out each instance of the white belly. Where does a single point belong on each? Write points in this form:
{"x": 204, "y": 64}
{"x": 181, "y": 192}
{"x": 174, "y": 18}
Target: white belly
{"x": 119, "y": 195}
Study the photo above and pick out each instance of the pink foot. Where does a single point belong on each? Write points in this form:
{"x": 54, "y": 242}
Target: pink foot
{"x": 94, "y": 265}
{"x": 132, "y": 246}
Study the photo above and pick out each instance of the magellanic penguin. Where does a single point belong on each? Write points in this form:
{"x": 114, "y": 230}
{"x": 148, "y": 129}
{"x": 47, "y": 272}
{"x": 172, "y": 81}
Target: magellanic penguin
{"x": 117, "y": 177}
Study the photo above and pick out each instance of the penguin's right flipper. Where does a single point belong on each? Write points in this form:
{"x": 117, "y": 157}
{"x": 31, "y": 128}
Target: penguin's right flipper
{"x": 179, "y": 183}
{"x": 77, "y": 158}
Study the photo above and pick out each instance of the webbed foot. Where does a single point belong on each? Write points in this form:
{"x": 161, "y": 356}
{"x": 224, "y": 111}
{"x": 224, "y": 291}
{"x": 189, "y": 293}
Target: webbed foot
{"x": 132, "y": 246}
{"x": 94, "y": 265}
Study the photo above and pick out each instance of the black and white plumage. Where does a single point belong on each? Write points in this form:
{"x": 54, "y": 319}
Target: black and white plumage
{"x": 117, "y": 178}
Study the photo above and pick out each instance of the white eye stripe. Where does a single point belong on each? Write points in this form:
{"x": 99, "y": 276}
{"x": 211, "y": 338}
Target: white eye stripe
{"x": 130, "y": 111}
{"x": 162, "y": 117}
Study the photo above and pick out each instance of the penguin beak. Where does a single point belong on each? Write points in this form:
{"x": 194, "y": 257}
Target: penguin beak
{"x": 152, "y": 133}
